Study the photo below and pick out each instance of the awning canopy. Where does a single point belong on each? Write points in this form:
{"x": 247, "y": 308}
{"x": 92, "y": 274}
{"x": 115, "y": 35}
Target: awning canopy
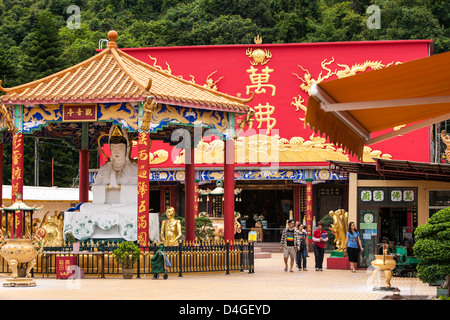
{"x": 395, "y": 169}
{"x": 353, "y": 111}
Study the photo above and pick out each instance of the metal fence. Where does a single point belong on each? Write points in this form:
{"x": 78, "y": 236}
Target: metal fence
{"x": 97, "y": 258}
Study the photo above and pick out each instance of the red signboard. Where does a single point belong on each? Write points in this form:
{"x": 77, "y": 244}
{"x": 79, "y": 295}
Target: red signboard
{"x": 79, "y": 112}
{"x": 62, "y": 265}
{"x": 279, "y": 76}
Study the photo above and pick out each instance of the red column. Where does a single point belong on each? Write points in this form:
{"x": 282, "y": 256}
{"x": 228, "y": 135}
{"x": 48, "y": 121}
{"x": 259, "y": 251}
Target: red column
{"x": 228, "y": 205}
{"x": 17, "y": 177}
{"x": 189, "y": 194}
{"x": 143, "y": 188}
{"x": 309, "y": 208}
{"x": 196, "y": 211}
{"x": 297, "y": 215}
{"x": 83, "y": 189}
{"x": 1, "y": 176}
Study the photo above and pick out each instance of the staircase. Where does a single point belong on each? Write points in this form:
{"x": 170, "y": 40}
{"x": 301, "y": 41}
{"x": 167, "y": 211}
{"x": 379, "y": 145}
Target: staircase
{"x": 263, "y": 250}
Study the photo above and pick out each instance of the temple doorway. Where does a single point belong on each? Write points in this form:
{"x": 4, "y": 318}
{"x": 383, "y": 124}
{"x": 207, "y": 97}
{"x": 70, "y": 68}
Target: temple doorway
{"x": 272, "y": 205}
{"x": 396, "y": 224}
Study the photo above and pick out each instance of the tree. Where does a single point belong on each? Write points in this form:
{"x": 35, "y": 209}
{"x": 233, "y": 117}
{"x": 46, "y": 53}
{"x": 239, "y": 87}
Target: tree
{"x": 432, "y": 248}
{"x": 7, "y": 68}
{"x": 42, "y": 49}
{"x": 204, "y": 229}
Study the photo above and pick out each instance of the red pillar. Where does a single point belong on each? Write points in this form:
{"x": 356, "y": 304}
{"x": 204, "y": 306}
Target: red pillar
{"x": 228, "y": 204}
{"x": 143, "y": 188}
{"x": 297, "y": 215}
{"x": 189, "y": 194}
{"x": 83, "y": 189}
{"x": 17, "y": 177}
{"x": 309, "y": 208}
{"x": 1, "y": 176}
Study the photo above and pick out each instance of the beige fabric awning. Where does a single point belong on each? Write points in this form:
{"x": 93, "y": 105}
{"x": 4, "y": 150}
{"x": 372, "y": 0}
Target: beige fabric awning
{"x": 352, "y": 111}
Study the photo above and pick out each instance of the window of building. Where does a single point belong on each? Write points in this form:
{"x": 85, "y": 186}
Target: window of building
{"x": 438, "y": 199}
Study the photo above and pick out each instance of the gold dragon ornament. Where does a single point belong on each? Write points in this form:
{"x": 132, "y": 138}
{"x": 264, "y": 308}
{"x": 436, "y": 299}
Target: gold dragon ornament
{"x": 308, "y": 80}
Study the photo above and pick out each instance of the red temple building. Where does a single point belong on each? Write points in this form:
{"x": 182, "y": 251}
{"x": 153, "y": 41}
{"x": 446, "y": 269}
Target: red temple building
{"x": 248, "y": 101}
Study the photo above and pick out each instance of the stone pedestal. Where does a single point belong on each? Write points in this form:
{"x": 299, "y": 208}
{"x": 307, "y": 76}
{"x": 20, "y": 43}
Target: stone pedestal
{"x": 19, "y": 282}
{"x": 337, "y": 261}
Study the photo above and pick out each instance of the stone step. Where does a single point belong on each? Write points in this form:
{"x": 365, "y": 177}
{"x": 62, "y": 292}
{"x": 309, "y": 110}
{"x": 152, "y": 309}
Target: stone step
{"x": 263, "y": 255}
{"x": 268, "y": 246}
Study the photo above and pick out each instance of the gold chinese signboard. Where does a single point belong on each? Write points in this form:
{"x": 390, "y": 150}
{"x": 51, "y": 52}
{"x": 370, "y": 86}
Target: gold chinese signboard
{"x": 80, "y": 112}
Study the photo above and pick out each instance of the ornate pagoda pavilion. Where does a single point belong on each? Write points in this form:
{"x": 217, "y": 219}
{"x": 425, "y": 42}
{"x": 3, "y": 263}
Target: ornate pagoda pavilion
{"x": 81, "y": 104}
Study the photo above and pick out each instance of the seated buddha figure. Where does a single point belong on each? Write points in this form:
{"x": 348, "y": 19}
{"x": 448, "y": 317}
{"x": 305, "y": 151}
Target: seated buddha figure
{"x": 113, "y": 210}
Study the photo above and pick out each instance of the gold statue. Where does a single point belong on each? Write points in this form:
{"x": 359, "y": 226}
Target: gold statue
{"x": 170, "y": 228}
{"x": 339, "y": 228}
{"x": 53, "y": 225}
{"x": 291, "y": 217}
{"x": 446, "y": 139}
{"x": 149, "y": 106}
{"x": 7, "y": 117}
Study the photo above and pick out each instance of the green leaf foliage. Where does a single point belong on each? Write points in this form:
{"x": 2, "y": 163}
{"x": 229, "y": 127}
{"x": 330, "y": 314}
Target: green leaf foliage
{"x": 126, "y": 254}
{"x": 432, "y": 247}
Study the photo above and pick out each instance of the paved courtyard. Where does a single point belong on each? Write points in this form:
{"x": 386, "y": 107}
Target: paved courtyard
{"x": 269, "y": 282}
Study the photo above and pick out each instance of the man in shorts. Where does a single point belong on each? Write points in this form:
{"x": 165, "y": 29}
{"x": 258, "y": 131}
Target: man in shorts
{"x": 290, "y": 244}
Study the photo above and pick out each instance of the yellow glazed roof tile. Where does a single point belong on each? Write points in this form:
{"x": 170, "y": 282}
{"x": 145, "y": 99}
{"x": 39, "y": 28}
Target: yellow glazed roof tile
{"x": 113, "y": 76}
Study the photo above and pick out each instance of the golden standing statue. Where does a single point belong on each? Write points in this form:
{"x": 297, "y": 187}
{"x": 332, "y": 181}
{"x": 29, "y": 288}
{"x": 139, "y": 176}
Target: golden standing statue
{"x": 446, "y": 139}
{"x": 170, "y": 228}
{"x": 53, "y": 225}
{"x": 339, "y": 227}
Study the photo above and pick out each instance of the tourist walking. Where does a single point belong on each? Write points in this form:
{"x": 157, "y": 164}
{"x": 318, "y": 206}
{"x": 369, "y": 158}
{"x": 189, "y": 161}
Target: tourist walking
{"x": 303, "y": 252}
{"x": 289, "y": 244}
{"x": 353, "y": 245}
{"x": 320, "y": 237}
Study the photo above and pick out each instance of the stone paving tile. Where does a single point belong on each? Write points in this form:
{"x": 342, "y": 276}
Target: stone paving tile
{"x": 269, "y": 282}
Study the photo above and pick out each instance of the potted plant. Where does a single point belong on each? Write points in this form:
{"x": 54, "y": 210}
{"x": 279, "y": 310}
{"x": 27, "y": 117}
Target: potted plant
{"x": 126, "y": 254}
{"x": 72, "y": 241}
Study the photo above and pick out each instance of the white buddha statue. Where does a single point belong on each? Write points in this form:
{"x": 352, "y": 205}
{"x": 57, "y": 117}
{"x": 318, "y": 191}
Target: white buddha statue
{"x": 113, "y": 211}
{"x": 115, "y": 185}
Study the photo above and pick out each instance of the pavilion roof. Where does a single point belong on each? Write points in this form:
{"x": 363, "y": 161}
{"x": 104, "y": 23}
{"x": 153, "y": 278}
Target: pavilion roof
{"x": 114, "y": 76}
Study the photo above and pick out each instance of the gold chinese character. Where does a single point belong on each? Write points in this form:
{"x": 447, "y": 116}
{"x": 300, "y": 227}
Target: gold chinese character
{"x": 142, "y": 188}
{"x": 16, "y": 157}
{"x": 143, "y": 155}
{"x": 142, "y": 173}
{"x": 263, "y": 114}
{"x": 79, "y": 112}
{"x": 16, "y": 173}
{"x": 260, "y": 80}
{"x": 142, "y": 222}
{"x": 88, "y": 112}
{"x": 70, "y": 112}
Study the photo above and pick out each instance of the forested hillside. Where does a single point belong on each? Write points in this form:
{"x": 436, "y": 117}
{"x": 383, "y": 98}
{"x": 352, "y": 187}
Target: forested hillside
{"x": 36, "y": 40}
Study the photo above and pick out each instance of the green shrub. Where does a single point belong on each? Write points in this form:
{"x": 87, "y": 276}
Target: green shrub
{"x": 126, "y": 254}
{"x": 432, "y": 248}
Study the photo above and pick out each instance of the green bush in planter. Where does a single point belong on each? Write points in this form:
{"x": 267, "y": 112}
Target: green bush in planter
{"x": 432, "y": 248}
{"x": 126, "y": 254}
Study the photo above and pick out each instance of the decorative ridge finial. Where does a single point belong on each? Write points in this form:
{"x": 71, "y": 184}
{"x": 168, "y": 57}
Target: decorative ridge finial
{"x": 112, "y": 36}
{"x": 258, "y": 39}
